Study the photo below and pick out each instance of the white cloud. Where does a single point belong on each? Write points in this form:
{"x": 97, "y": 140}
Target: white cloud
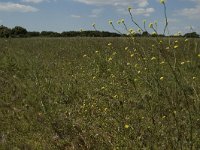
{"x": 33, "y": 1}
{"x": 137, "y": 11}
{"x": 192, "y": 12}
{"x": 96, "y": 12}
{"x": 15, "y": 7}
{"x": 140, "y": 3}
{"x": 140, "y": 7}
{"x": 75, "y": 16}
{"x": 172, "y": 20}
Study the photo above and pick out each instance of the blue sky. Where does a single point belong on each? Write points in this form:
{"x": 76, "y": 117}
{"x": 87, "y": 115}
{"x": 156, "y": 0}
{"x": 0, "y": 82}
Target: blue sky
{"x": 66, "y": 15}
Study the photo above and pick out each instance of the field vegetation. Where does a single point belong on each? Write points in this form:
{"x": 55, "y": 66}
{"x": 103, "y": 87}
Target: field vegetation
{"x": 100, "y": 93}
{"x": 97, "y": 93}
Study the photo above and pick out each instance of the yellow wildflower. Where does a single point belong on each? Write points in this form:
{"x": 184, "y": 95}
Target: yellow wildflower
{"x": 176, "y": 46}
{"x": 129, "y": 8}
{"x": 162, "y": 1}
{"x": 110, "y": 59}
{"x": 182, "y": 63}
{"x": 162, "y": 62}
{"x": 161, "y": 78}
{"x": 110, "y": 22}
{"x": 151, "y": 25}
{"x": 132, "y": 55}
{"x": 126, "y": 126}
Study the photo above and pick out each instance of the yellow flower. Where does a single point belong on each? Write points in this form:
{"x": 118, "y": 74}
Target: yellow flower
{"x": 182, "y": 63}
{"x": 199, "y": 55}
{"x": 126, "y": 126}
{"x": 126, "y": 48}
{"x": 153, "y": 58}
{"x": 128, "y": 64}
{"x": 129, "y": 8}
{"x": 119, "y": 22}
{"x": 161, "y": 78}
{"x": 176, "y": 41}
{"x": 176, "y": 46}
{"x": 96, "y": 51}
{"x": 162, "y": 62}
{"x": 167, "y": 48}
{"x": 131, "y": 31}
{"x": 132, "y": 55}
{"x": 153, "y": 33}
{"x": 139, "y": 30}
{"x": 112, "y": 75}
{"x": 186, "y": 40}
{"x": 151, "y": 25}
{"x": 110, "y": 22}
{"x": 122, "y": 21}
{"x": 162, "y": 1}
{"x": 115, "y": 96}
{"x": 84, "y": 55}
{"x": 109, "y": 44}
{"x": 136, "y": 65}
{"x": 103, "y": 88}
{"x": 110, "y": 59}
{"x": 194, "y": 78}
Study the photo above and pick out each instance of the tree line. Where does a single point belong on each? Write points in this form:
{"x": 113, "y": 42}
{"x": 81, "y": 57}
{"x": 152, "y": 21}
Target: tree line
{"x": 18, "y": 32}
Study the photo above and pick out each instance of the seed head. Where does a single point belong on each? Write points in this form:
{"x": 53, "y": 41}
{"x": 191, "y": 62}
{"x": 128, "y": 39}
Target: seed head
{"x": 151, "y": 25}
{"x": 162, "y": 1}
{"x": 129, "y": 8}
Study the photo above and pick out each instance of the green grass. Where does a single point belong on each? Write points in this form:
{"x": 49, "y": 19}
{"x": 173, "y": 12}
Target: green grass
{"x": 81, "y": 93}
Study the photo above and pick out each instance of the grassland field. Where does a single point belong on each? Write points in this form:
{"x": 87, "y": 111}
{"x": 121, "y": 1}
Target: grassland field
{"x": 100, "y": 94}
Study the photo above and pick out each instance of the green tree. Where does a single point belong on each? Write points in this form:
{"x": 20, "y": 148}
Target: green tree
{"x": 19, "y": 32}
{"x": 4, "y": 32}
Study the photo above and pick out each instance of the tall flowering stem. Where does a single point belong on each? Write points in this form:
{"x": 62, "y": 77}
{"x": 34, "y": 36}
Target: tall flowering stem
{"x": 129, "y": 10}
{"x": 111, "y": 23}
{"x": 166, "y": 19}
{"x": 94, "y": 26}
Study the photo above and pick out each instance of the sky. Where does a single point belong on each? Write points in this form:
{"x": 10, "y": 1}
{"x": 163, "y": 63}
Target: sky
{"x": 68, "y": 15}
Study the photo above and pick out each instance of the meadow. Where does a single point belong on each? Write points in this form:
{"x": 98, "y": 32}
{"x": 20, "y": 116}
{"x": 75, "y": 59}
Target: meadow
{"x": 99, "y": 93}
